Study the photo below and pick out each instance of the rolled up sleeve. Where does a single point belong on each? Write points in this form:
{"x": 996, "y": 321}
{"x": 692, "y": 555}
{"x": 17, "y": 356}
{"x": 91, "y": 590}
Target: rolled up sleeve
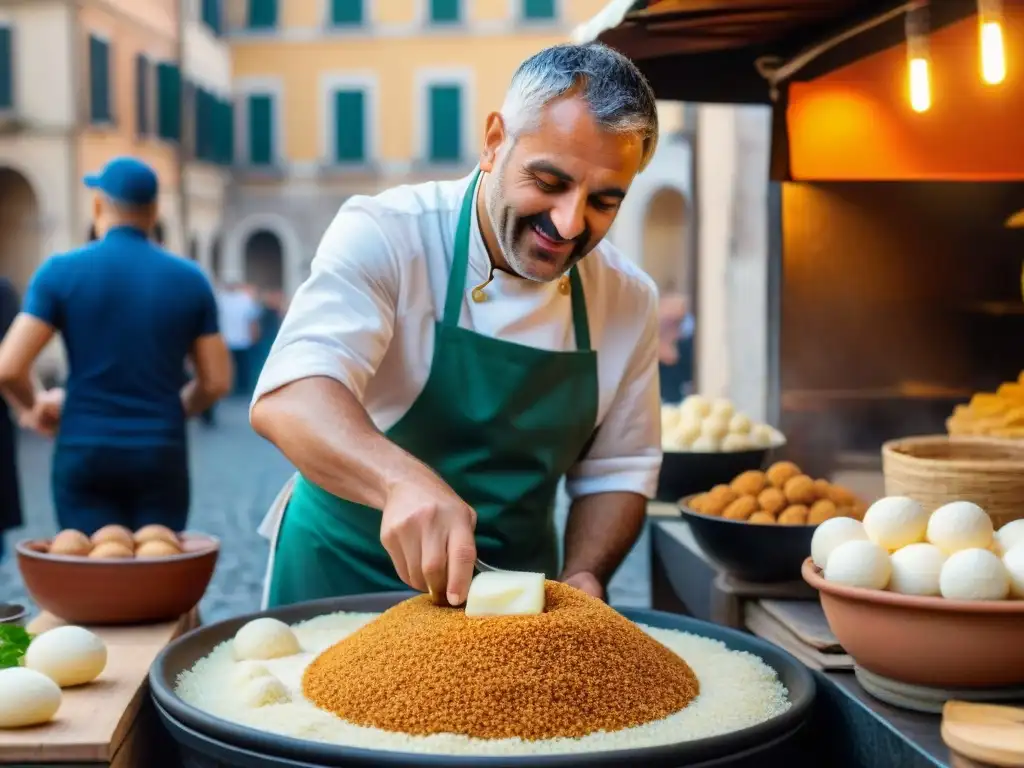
{"x": 626, "y": 453}
{"x": 341, "y": 320}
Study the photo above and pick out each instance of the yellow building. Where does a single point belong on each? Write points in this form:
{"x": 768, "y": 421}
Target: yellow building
{"x": 341, "y": 97}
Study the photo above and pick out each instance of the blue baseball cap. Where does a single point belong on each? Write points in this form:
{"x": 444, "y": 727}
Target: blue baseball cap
{"x": 126, "y": 180}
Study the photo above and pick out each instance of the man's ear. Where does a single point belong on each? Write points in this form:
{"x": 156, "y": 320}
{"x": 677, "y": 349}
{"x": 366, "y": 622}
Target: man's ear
{"x": 494, "y": 137}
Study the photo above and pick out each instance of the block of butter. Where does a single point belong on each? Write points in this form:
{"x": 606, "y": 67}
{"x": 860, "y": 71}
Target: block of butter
{"x": 506, "y": 593}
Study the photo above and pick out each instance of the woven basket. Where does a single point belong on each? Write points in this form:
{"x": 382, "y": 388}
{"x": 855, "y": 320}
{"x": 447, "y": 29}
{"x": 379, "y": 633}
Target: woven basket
{"x": 937, "y": 469}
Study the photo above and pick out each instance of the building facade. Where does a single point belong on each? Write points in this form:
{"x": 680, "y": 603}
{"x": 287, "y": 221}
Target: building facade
{"x": 341, "y": 97}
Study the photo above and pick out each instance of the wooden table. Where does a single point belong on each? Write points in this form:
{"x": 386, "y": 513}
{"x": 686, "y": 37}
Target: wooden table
{"x": 110, "y": 722}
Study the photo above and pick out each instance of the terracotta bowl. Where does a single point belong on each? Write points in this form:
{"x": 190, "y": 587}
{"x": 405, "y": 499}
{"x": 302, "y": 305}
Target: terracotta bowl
{"x": 105, "y": 592}
{"x": 928, "y": 641}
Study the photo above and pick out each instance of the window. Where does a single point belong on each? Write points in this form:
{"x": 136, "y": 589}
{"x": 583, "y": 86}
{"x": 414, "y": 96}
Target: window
{"x": 211, "y": 15}
{"x": 346, "y": 13}
{"x": 99, "y": 81}
{"x": 261, "y": 129}
{"x": 206, "y": 125}
{"x": 445, "y": 11}
{"x": 539, "y": 10}
{"x": 142, "y": 70}
{"x": 349, "y": 126}
{"x": 224, "y": 152}
{"x": 445, "y": 128}
{"x": 168, "y": 101}
{"x": 6, "y": 68}
{"x": 262, "y": 14}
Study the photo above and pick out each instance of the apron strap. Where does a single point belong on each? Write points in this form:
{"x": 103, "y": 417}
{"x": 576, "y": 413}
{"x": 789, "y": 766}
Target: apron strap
{"x": 460, "y": 264}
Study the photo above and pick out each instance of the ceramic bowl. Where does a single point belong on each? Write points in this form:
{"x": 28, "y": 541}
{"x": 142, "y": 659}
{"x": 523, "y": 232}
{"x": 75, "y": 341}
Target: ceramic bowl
{"x": 928, "y": 641}
{"x": 105, "y": 592}
{"x": 684, "y": 473}
{"x": 754, "y": 553}
{"x": 12, "y": 613}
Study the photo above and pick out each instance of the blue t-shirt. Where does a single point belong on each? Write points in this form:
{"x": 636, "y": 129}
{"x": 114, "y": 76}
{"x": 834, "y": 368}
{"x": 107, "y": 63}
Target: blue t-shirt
{"x": 129, "y": 313}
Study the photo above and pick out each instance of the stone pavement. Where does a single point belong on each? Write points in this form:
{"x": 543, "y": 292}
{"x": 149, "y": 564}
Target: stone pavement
{"x": 235, "y": 477}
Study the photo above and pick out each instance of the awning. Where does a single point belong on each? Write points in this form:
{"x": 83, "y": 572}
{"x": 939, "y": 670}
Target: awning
{"x": 729, "y": 51}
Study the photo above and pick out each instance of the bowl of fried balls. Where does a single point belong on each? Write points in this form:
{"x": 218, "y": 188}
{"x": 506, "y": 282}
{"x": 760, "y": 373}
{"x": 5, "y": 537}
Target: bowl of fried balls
{"x": 118, "y": 576}
{"x": 758, "y": 526}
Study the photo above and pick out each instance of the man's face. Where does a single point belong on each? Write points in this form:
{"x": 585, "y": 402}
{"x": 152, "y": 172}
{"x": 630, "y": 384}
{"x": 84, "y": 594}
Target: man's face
{"x": 555, "y": 191}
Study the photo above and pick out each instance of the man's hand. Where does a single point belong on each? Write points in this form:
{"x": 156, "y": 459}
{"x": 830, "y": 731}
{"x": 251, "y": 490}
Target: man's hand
{"x": 44, "y": 416}
{"x": 428, "y": 532}
{"x": 587, "y": 582}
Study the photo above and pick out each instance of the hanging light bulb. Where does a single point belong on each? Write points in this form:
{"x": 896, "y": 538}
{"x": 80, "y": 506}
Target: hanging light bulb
{"x": 990, "y": 30}
{"x": 918, "y": 62}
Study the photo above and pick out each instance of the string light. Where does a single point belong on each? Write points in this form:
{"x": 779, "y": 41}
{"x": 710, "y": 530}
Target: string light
{"x": 990, "y": 30}
{"x": 918, "y": 62}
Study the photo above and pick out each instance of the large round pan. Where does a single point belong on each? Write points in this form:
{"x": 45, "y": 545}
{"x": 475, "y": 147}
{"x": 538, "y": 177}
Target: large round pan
{"x": 238, "y": 745}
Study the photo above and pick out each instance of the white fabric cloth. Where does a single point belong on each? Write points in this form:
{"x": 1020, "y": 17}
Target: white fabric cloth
{"x": 366, "y": 315}
{"x": 237, "y": 312}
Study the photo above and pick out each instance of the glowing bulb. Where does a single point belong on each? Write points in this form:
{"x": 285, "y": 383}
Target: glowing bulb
{"x": 993, "y": 54}
{"x": 920, "y": 85}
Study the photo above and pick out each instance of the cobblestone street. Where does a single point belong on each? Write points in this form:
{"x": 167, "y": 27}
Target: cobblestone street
{"x": 235, "y": 477}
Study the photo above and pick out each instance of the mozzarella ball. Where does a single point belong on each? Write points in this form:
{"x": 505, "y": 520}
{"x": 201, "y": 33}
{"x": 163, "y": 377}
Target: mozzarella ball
{"x": 67, "y": 655}
{"x": 974, "y": 574}
{"x": 830, "y": 534}
{"x": 263, "y": 639}
{"x": 740, "y": 424}
{"x": 1013, "y": 561}
{"x": 246, "y": 671}
{"x": 683, "y": 435}
{"x": 960, "y": 525}
{"x": 715, "y": 428}
{"x": 705, "y": 444}
{"x": 262, "y": 691}
{"x": 1010, "y": 535}
{"x": 27, "y": 698}
{"x": 762, "y": 436}
{"x": 698, "y": 405}
{"x": 723, "y": 408}
{"x": 735, "y": 442}
{"x": 916, "y": 569}
{"x": 895, "y": 521}
{"x": 669, "y": 418}
{"x": 859, "y": 563}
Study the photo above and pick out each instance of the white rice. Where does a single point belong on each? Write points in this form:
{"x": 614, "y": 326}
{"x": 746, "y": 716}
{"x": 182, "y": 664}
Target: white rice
{"x": 737, "y": 690}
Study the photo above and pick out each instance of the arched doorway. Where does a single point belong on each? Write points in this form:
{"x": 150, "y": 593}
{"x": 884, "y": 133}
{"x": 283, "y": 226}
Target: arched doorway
{"x": 20, "y": 227}
{"x": 666, "y": 243}
{"x": 264, "y": 260}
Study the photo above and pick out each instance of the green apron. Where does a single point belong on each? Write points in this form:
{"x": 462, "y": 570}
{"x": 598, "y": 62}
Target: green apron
{"x": 500, "y": 422}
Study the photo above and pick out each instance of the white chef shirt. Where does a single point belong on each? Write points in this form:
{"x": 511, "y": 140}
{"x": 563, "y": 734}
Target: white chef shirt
{"x": 366, "y": 315}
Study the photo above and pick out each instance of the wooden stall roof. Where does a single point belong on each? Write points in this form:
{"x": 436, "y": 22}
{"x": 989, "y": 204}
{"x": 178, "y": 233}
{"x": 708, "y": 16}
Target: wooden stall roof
{"x": 709, "y": 50}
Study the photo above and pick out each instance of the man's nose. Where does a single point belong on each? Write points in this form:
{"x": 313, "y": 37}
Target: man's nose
{"x": 568, "y": 216}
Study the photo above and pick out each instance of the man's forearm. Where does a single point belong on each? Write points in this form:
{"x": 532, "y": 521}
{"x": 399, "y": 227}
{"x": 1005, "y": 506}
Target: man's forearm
{"x": 20, "y": 393}
{"x": 323, "y": 430}
{"x": 600, "y": 532}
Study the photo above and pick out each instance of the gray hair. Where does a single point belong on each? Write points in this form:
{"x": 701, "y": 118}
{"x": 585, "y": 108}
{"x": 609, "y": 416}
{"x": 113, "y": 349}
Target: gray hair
{"x": 618, "y": 95}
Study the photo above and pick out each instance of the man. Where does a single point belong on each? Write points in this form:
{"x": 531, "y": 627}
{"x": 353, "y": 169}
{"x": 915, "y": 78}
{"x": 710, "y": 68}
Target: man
{"x": 10, "y": 495}
{"x": 239, "y": 319}
{"x": 129, "y": 313}
{"x": 461, "y": 346}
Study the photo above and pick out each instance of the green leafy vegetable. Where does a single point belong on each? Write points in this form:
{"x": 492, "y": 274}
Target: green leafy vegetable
{"x": 14, "y": 641}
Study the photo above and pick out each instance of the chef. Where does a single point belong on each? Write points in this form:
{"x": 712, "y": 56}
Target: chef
{"x": 462, "y": 346}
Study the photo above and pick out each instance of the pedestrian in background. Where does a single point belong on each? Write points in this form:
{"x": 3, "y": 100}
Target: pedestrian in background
{"x": 239, "y": 322}
{"x": 130, "y": 313}
{"x": 10, "y": 494}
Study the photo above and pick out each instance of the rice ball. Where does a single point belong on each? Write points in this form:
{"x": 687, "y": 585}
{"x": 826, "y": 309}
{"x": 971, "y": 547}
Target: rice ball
{"x": 740, "y": 424}
{"x": 895, "y": 522}
{"x": 960, "y": 525}
{"x": 714, "y": 427}
{"x": 670, "y": 417}
{"x": 974, "y": 574}
{"x": 762, "y": 436}
{"x": 723, "y": 408}
{"x": 830, "y": 534}
{"x": 1013, "y": 561}
{"x": 705, "y": 444}
{"x": 1010, "y": 535}
{"x": 683, "y": 435}
{"x": 916, "y": 569}
{"x": 698, "y": 405}
{"x": 859, "y": 563}
{"x": 263, "y": 639}
{"x": 735, "y": 442}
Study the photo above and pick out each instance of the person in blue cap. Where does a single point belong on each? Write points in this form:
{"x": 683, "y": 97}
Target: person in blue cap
{"x": 131, "y": 314}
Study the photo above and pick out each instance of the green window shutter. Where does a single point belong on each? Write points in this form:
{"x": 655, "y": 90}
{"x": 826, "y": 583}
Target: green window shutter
{"x": 538, "y": 9}
{"x": 6, "y": 68}
{"x": 205, "y": 126}
{"x": 261, "y": 129}
{"x": 346, "y": 13}
{"x": 262, "y": 14}
{"x": 349, "y": 126}
{"x": 445, "y": 11}
{"x": 99, "y": 81}
{"x": 168, "y": 101}
{"x": 142, "y": 126}
{"x": 445, "y": 123}
{"x": 211, "y": 15}
{"x": 228, "y": 130}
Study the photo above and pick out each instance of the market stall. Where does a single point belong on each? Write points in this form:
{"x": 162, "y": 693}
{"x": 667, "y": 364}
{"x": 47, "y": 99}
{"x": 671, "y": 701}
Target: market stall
{"x": 897, "y": 170}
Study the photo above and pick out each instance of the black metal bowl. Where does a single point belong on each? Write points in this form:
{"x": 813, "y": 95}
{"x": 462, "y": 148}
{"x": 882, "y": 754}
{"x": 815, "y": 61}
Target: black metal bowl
{"x": 755, "y": 553}
{"x": 212, "y": 741}
{"x": 684, "y": 473}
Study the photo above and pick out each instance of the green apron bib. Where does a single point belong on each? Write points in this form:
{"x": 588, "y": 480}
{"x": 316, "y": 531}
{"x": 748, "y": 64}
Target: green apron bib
{"x": 500, "y": 422}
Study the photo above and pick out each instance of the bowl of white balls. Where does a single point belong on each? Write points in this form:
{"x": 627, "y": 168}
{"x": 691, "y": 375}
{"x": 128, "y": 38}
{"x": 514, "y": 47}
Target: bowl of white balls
{"x": 933, "y": 599}
{"x": 707, "y": 442}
